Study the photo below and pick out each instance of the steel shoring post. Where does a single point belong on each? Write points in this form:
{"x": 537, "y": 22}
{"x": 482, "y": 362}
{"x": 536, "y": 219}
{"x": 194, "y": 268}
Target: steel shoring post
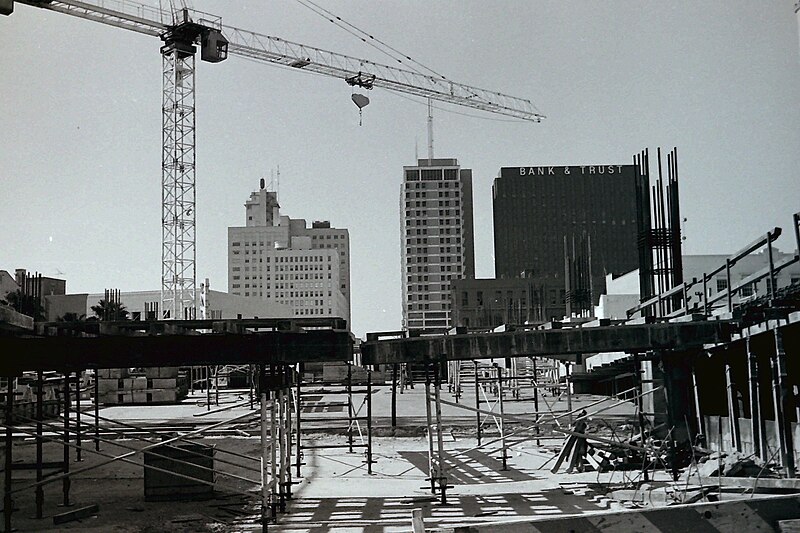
{"x": 429, "y": 420}
{"x": 274, "y": 452}
{"x": 124, "y": 457}
{"x": 281, "y": 444}
{"x": 369, "y": 421}
{"x": 216, "y": 384}
{"x": 78, "y": 457}
{"x": 568, "y": 382}
{"x": 439, "y": 438}
{"x": 8, "y": 504}
{"x": 262, "y": 392}
{"x": 733, "y": 419}
{"x": 697, "y": 411}
{"x": 394, "y": 395}
{"x": 66, "y": 480}
{"x": 477, "y": 402}
{"x": 250, "y": 375}
{"x": 298, "y": 407}
{"x": 729, "y": 286}
{"x": 39, "y": 442}
{"x": 637, "y": 381}
{"x": 96, "y": 411}
{"x": 502, "y": 418}
{"x": 755, "y": 402}
{"x": 288, "y": 431}
{"x": 786, "y": 402}
{"x": 208, "y": 387}
{"x": 350, "y": 406}
{"x": 536, "y": 400}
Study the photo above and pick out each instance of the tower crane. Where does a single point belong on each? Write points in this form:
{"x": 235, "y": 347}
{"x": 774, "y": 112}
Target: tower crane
{"x": 187, "y": 29}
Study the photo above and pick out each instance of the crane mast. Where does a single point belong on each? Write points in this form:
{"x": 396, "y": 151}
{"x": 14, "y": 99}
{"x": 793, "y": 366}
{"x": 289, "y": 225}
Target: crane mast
{"x": 181, "y": 32}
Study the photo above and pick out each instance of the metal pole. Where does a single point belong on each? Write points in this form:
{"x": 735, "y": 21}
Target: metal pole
{"x": 697, "y": 411}
{"x": 350, "y": 407}
{"x": 394, "y": 395}
{"x": 477, "y": 402}
{"x": 96, "y": 410}
{"x": 281, "y": 406}
{"x": 289, "y": 407}
{"x": 8, "y": 504}
{"x": 78, "y": 450}
{"x": 39, "y": 442}
{"x": 502, "y": 419}
{"x": 771, "y": 278}
{"x": 785, "y": 399}
{"x": 728, "y": 289}
{"x": 298, "y": 403}
{"x": 264, "y": 449}
{"x": 66, "y": 480}
{"x": 567, "y": 381}
{"x": 637, "y": 381}
{"x": 208, "y": 388}
{"x": 440, "y": 440}
{"x": 429, "y": 419}
{"x": 216, "y": 384}
{"x": 250, "y": 375}
{"x": 273, "y": 449}
{"x": 369, "y": 421}
{"x": 536, "y": 399}
{"x": 733, "y": 419}
{"x": 755, "y": 401}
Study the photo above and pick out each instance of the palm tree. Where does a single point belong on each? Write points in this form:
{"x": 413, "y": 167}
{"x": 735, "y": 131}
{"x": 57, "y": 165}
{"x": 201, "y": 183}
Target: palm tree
{"x": 25, "y": 304}
{"x": 110, "y": 310}
{"x": 71, "y": 317}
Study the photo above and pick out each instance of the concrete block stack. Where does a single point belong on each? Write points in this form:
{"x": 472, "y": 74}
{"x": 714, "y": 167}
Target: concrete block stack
{"x": 160, "y": 385}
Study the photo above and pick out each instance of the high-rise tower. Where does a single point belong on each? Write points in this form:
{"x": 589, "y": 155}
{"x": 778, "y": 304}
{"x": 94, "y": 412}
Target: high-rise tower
{"x": 274, "y": 257}
{"x": 437, "y": 239}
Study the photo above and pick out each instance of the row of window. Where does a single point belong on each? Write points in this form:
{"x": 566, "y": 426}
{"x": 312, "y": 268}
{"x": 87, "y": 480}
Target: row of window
{"x": 424, "y": 203}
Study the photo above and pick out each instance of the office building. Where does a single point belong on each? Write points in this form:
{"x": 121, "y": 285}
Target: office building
{"x": 542, "y": 214}
{"x": 277, "y": 258}
{"x": 437, "y": 239}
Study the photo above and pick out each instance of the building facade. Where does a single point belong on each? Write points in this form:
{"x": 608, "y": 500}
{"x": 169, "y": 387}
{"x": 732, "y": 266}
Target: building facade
{"x": 436, "y": 239}
{"x": 279, "y": 259}
{"x": 489, "y": 303}
{"x": 542, "y": 214}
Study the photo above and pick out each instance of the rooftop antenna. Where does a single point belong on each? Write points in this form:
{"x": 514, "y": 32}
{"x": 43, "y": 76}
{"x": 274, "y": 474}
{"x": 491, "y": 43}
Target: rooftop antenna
{"x": 430, "y": 132}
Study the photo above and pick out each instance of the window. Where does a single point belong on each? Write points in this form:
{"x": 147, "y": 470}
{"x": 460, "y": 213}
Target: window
{"x": 722, "y": 284}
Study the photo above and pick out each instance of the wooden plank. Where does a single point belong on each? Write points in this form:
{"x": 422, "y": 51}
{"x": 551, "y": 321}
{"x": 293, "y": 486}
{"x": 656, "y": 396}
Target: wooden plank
{"x": 417, "y": 523}
{"x": 76, "y": 514}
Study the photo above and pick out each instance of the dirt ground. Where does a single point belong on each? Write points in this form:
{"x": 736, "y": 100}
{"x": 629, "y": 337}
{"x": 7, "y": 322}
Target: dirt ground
{"x": 334, "y": 493}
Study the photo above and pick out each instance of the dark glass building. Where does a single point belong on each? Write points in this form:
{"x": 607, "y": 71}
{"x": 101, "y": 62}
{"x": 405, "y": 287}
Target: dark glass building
{"x": 543, "y": 213}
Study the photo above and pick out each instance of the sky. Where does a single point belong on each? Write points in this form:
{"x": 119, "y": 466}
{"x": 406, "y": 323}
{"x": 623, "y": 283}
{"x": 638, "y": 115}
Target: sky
{"x": 80, "y": 126}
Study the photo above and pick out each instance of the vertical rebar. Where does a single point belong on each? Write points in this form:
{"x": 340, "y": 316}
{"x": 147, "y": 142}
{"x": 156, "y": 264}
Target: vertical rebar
{"x": 273, "y": 473}
{"x": 289, "y": 406}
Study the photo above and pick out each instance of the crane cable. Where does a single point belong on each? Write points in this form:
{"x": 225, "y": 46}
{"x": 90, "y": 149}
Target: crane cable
{"x": 363, "y": 36}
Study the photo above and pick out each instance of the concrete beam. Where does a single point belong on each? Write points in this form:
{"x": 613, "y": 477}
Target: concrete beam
{"x": 11, "y": 320}
{"x": 75, "y": 353}
{"x": 562, "y": 344}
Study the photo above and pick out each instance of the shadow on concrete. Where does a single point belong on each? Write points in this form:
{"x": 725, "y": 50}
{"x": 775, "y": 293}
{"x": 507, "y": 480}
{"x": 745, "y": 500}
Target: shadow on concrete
{"x": 475, "y": 466}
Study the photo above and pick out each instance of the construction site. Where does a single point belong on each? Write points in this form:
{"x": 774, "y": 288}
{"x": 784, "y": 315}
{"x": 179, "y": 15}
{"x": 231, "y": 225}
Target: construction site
{"x": 678, "y": 410}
